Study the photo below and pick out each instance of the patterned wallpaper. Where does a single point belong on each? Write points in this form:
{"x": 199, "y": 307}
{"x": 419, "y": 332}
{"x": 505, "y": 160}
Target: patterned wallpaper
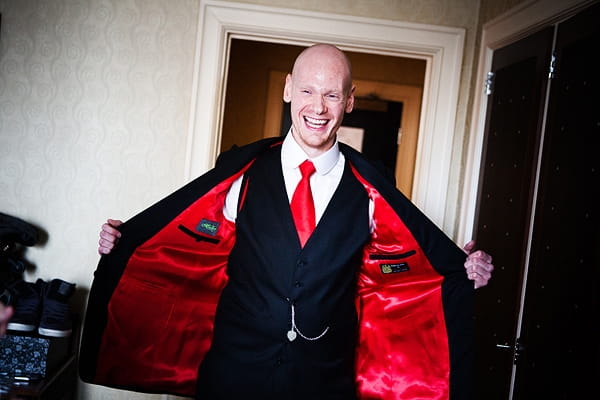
{"x": 94, "y": 111}
{"x": 94, "y": 99}
{"x": 94, "y": 107}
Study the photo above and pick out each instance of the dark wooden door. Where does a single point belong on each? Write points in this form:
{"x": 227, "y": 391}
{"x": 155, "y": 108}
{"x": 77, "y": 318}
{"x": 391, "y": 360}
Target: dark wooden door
{"x": 539, "y": 215}
{"x": 560, "y": 334}
{"x": 512, "y": 138}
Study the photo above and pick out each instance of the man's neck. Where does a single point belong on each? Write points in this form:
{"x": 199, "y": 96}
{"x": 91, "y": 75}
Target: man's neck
{"x": 312, "y": 152}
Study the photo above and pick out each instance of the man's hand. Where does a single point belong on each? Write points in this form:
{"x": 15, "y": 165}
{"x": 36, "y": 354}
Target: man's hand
{"x": 109, "y": 236}
{"x": 478, "y": 265}
{"x": 6, "y": 313}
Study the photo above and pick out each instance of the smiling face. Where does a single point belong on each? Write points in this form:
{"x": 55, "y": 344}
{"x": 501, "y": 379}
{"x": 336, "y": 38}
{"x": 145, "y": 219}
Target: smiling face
{"x": 319, "y": 91}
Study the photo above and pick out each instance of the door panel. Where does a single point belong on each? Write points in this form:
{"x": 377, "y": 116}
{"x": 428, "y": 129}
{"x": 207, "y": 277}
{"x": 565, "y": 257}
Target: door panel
{"x": 541, "y": 220}
{"x": 560, "y": 318}
{"x": 380, "y": 141}
{"x": 508, "y": 167}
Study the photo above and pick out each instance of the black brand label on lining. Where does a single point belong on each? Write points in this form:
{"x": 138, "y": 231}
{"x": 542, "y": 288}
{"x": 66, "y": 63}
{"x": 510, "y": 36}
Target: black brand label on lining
{"x": 394, "y": 268}
{"x": 208, "y": 227}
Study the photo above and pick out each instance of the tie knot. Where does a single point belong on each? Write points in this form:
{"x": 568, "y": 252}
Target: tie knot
{"x": 307, "y": 168}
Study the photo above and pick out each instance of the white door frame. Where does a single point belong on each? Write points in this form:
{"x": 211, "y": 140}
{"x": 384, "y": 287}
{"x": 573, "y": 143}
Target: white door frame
{"x": 517, "y": 23}
{"x": 441, "y": 47}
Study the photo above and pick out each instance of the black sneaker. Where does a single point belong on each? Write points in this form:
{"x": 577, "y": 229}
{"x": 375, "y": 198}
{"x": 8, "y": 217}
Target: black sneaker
{"x": 56, "y": 315}
{"x": 27, "y": 305}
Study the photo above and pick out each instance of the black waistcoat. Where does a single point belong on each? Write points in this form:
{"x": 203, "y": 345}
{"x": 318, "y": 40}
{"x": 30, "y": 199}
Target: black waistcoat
{"x": 268, "y": 273}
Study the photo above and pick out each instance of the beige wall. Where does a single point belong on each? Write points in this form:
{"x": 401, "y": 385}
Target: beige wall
{"x": 94, "y": 109}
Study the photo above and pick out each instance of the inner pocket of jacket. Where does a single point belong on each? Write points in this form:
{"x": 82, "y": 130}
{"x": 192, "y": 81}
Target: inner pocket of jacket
{"x": 197, "y": 236}
{"x": 392, "y": 256}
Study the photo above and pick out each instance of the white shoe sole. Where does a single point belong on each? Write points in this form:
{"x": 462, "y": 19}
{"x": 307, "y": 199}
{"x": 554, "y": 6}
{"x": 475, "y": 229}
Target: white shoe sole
{"x": 15, "y": 326}
{"x": 53, "y": 332}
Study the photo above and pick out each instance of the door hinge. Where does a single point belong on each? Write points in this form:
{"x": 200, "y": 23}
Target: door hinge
{"x": 489, "y": 82}
{"x": 552, "y": 68}
{"x": 517, "y": 349}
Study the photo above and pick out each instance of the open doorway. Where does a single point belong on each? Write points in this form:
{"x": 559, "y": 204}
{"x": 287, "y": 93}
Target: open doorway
{"x": 389, "y": 93}
{"x": 439, "y": 47}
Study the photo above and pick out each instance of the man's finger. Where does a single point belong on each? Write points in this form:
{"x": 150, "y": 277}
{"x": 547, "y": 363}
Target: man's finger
{"x": 469, "y": 246}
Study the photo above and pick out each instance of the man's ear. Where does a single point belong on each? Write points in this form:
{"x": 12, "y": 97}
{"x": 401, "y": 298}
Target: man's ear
{"x": 287, "y": 89}
{"x": 350, "y": 102}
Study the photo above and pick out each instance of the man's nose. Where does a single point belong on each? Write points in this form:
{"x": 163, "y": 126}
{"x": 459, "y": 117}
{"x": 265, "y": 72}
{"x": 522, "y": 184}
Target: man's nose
{"x": 319, "y": 106}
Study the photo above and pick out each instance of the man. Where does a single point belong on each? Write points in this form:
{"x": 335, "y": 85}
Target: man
{"x": 374, "y": 301}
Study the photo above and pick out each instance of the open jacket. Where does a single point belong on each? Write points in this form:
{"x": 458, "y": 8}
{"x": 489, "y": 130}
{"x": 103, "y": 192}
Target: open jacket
{"x": 150, "y": 313}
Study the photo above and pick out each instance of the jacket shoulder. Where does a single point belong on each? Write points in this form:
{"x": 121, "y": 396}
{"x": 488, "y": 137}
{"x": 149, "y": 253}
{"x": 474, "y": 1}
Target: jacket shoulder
{"x": 246, "y": 152}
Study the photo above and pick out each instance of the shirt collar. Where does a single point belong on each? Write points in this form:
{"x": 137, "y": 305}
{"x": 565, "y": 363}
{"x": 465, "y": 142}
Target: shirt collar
{"x": 292, "y": 155}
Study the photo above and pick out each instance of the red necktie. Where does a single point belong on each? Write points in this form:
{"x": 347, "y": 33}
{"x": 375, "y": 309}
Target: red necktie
{"x": 303, "y": 206}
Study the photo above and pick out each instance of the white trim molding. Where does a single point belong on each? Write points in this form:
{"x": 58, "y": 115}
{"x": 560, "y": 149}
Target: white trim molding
{"x": 517, "y": 23}
{"x": 441, "y": 47}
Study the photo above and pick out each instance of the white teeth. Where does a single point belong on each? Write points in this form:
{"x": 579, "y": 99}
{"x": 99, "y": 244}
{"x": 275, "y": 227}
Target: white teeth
{"x": 317, "y": 122}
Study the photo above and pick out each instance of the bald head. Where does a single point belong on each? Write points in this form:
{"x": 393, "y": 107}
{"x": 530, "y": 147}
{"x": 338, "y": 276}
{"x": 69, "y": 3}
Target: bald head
{"x": 326, "y": 54}
{"x": 319, "y": 91}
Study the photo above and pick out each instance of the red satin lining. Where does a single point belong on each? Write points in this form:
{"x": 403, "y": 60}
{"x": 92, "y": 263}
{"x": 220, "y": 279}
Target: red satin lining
{"x": 403, "y": 346}
{"x": 171, "y": 286}
{"x": 403, "y": 349}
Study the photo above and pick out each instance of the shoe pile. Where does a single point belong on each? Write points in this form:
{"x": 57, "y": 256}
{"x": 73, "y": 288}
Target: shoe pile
{"x": 42, "y": 305}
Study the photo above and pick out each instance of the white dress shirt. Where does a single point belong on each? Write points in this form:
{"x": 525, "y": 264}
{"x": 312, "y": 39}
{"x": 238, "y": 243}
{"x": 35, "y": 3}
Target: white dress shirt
{"x": 329, "y": 169}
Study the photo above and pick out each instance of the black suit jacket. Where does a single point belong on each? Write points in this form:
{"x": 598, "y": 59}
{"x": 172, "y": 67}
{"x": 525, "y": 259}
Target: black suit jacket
{"x": 150, "y": 315}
